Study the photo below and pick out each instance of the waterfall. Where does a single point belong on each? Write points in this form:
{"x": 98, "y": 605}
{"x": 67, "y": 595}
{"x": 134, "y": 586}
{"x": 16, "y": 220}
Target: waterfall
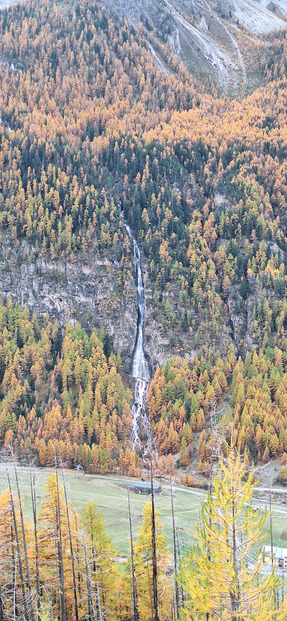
{"x": 140, "y": 369}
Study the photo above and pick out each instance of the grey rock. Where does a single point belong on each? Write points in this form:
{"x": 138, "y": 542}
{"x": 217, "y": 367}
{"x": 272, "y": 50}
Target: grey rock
{"x": 84, "y": 291}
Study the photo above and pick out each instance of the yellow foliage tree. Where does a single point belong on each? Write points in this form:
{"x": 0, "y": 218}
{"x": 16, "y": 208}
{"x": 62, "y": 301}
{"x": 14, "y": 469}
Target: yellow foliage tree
{"x": 143, "y": 568}
{"x": 218, "y": 577}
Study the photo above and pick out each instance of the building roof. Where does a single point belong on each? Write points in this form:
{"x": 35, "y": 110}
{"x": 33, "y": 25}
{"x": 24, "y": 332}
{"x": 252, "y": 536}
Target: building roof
{"x": 143, "y": 485}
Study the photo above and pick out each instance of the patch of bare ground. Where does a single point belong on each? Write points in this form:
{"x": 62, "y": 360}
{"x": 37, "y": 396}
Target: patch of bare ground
{"x": 268, "y": 473}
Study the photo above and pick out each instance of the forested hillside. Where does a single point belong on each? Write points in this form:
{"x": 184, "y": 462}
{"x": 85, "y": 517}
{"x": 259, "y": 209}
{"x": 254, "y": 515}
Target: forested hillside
{"x": 143, "y": 309}
{"x": 61, "y": 395}
{"x": 94, "y": 136}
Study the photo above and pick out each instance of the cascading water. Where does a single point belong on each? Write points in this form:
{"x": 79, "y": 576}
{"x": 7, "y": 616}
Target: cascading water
{"x": 140, "y": 365}
{"x": 140, "y": 369}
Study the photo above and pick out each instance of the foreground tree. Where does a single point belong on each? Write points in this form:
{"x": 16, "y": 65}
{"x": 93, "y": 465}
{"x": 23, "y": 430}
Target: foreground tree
{"x": 55, "y": 533}
{"x": 104, "y": 576}
{"x": 224, "y": 575}
{"x": 144, "y": 569}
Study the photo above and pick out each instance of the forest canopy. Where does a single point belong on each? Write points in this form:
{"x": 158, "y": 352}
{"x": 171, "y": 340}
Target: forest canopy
{"x": 93, "y": 135}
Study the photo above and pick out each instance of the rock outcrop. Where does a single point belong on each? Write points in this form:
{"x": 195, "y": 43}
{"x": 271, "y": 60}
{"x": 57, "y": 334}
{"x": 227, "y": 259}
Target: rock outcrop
{"x": 84, "y": 290}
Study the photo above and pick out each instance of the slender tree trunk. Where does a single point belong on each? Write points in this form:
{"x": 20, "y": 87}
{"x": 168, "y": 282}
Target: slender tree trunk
{"x": 173, "y": 613}
{"x": 1, "y": 605}
{"x": 179, "y": 556}
{"x": 207, "y": 616}
{"x": 134, "y": 586}
{"x": 95, "y": 572}
{"x": 235, "y": 594}
{"x": 275, "y": 593}
{"x": 72, "y": 551}
{"x": 57, "y": 565}
{"x": 212, "y": 416}
{"x": 26, "y": 609}
{"x": 154, "y": 554}
{"x": 60, "y": 544}
{"x": 25, "y": 547}
{"x": 150, "y": 593}
{"x": 14, "y": 561}
{"x": 174, "y": 551}
{"x": 89, "y": 587}
{"x": 271, "y": 528}
{"x": 98, "y": 603}
{"x": 34, "y": 510}
{"x": 14, "y": 575}
{"x": 79, "y": 577}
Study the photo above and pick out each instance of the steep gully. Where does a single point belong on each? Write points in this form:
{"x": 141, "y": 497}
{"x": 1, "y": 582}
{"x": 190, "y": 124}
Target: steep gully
{"x": 141, "y": 436}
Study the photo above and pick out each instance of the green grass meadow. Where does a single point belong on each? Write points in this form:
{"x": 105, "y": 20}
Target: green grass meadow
{"x": 110, "y": 496}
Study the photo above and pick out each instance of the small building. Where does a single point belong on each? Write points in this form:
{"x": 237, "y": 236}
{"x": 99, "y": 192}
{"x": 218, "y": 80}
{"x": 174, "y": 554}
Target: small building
{"x": 279, "y": 556}
{"x": 143, "y": 487}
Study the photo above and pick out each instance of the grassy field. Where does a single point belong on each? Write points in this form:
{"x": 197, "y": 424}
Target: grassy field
{"x": 110, "y": 495}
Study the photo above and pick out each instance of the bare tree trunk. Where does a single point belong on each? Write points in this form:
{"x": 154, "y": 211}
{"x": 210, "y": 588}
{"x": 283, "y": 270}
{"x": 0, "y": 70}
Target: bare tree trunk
{"x": 234, "y": 596}
{"x": 134, "y": 586}
{"x": 174, "y": 551}
{"x": 150, "y": 593}
{"x": 60, "y": 545}
{"x": 95, "y": 571}
{"x": 173, "y": 613}
{"x": 71, "y": 548}
{"x": 98, "y": 603}
{"x": 79, "y": 577}
{"x": 154, "y": 555}
{"x": 207, "y": 616}
{"x": 26, "y": 609}
{"x": 89, "y": 587}
{"x": 14, "y": 560}
{"x": 34, "y": 510}
{"x": 271, "y": 528}
{"x": 1, "y": 605}
{"x": 275, "y": 594}
{"x": 179, "y": 555}
{"x": 212, "y": 415}
{"x": 25, "y": 547}
{"x": 14, "y": 575}
{"x": 57, "y": 565}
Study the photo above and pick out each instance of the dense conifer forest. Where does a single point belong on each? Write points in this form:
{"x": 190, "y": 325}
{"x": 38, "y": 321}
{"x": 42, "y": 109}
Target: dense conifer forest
{"x": 92, "y": 135}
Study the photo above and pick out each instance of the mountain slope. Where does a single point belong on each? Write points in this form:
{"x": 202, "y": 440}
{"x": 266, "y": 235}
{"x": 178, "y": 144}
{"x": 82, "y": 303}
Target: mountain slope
{"x": 216, "y": 37}
{"x": 96, "y": 136}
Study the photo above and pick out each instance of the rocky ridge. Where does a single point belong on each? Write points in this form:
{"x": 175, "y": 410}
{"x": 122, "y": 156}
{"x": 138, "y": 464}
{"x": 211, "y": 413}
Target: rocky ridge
{"x": 217, "y": 38}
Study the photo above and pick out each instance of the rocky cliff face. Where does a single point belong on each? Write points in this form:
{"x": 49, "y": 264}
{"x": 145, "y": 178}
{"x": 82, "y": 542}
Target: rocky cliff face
{"x": 82, "y": 290}
{"x": 86, "y": 290}
{"x": 208, "y": 37}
